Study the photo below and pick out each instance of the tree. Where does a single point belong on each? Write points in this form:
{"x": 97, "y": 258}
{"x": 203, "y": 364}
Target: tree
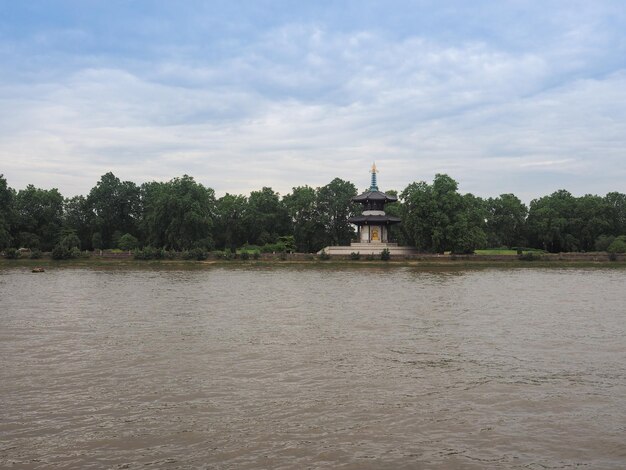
{"x": 127, "y": 242}
{"x": 506, "y": 221}
{"x": 39, "y": 213}
{"x": 229, "y": 230}
{"x": 549, "y": 222}
{"x": 266, "y": 217}
{"x": 616, "y": 203}
{"x": 437, "y": 218}
{"x": 7, "y": 197}
{"x": 115, "y": 206}
{"x": 78, "y": 216}
{"x": 308, "y": 227}
{"x": 178, "y": 215}
{"x": 335, "y": 206}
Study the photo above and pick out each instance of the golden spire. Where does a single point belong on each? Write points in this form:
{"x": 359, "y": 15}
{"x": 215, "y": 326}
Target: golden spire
{"x": 374, "y": 170}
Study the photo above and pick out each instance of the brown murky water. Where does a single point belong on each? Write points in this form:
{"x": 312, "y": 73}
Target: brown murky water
{"x": 293, "y": 368}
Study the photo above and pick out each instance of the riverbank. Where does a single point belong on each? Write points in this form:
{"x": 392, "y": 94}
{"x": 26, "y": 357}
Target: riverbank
{"x": 557, "y": 260}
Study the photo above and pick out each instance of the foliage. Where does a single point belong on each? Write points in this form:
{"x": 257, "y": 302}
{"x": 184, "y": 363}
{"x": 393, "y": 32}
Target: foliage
{"x": 36, "y": 254}
{"x": 183, "y": 215}
{"x": 148, "y": 253}
{"x": 506, "y": 220}
{"x": 96, "y": 241}
{"x": 603, "y": 242}
{"x": 39, "y": 212}
{"x": 385, "y": 255}
{"x": 439, "y": 219}
{"x": 323, "y": 256}
{"x": 127, "y": 242}
{"x": 11, "y": 253}
{"x": 355, "y": 256}
{"x": 178, "y": 214}
{"x": 244, "y": 255}
{"x": 335, "y": 206}
{"x": 114, "y": 206}
{"x": 618, "y": 245}
{"x": 198, "y": 254}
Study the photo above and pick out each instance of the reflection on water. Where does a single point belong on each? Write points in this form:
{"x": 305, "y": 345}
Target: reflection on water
{"x": 313, "y": 368}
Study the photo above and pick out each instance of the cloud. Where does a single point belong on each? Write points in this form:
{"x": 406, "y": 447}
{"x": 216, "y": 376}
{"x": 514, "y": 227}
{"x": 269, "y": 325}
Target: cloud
{"x": 302, "y": 102}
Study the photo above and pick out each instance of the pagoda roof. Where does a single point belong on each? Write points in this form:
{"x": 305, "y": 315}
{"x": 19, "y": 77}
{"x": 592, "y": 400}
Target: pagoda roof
{"x": 371, "y": 195}
{"x": 374, "y": 220}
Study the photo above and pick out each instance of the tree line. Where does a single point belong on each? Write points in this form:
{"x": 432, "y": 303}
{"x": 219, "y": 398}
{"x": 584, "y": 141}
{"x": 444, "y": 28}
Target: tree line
{"x": 182, "y": 214}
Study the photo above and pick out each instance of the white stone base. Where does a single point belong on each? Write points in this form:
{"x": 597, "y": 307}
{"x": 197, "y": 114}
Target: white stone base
{"x": 372, "y": 248}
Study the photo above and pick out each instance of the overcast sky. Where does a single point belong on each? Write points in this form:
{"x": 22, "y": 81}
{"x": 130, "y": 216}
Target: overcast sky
{"x": 506, "y": 96}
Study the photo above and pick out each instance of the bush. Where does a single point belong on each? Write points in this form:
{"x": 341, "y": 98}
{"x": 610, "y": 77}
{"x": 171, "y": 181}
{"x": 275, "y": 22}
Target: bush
{"x": 256, "y": 255}
{"x": 385, "y": 255}
{"x": 603, "y": 242}
{"x": 36, "y": 254}
{"x": 127, "y": 242}
{"x": 226, "y": 254}
{"x": 369, "y": 257}
{"x": 150, "y": 253}
{"x": 529, "y": 257}
{"x": 60, "y": 252}
{"x": 355, "y": 256}
{"x": 618, "y": 245}
{"x": 11, "y": 253}
{"x": 197, "y": 254}
{"x": 244, "y": 255}
{"x": 324, "y": 256}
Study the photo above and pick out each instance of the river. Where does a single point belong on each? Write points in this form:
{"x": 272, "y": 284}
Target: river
{"x": 302, "y": 367}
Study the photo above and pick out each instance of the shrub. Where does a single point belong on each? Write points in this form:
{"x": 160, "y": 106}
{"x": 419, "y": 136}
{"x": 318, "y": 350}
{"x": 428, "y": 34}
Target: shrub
{"x": 197, "y": 254}
{"x": 385, "y": 255}
{"x": 11, "y": 253}
{"x": 127, "y": 242}
{"x": 369, "y": 257}
{"x": 256, "y": 255}
{"x": 355, "y": 256}
{"x": 603, "y": 242}
{"x": 150, "y": 253}
{"x": 36, "y": 254}
{"x": 618, "y": 245}
{"x": 60, "y": 252}
{"x": 244, "y": 255}
{"x": 324, "y": 256}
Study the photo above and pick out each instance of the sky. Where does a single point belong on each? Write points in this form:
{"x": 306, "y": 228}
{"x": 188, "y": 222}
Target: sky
{"x": 523, "y": 97}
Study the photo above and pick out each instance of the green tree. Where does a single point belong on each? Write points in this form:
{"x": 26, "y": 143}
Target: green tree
{"x": 39, "y": 212}
{"x": 7, "y": 197}
{"x": 308, "y": 227}
{"x": 437, "y": 218}
{"x": 78, "y": 216}
{"x": 127, "y": 242}
{"x": 178, "y": 215}
{"x": 506, "y": 221}
{"x": 549, "y": 222}
{"x": 266, "y": 217}
{"x": 335, "y": 206}
{"x": 616, "y": 203}
{"x": 229, "y": 230}
{"x": 115, "y": 206}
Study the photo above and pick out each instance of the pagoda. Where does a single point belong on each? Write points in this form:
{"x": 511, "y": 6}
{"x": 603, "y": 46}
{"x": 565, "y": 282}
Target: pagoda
{"x": 373, "y": 224}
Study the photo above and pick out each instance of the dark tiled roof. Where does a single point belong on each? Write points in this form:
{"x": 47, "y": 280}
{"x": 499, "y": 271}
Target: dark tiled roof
{"x": 374, "y": 196}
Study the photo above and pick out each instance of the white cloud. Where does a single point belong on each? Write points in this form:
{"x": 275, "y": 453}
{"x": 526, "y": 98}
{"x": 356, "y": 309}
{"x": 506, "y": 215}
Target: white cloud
{"x": 306, "y": 104}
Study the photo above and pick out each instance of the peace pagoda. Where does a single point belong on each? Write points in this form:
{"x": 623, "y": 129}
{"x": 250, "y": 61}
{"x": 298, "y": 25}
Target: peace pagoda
{"x": 373, "y": 225}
